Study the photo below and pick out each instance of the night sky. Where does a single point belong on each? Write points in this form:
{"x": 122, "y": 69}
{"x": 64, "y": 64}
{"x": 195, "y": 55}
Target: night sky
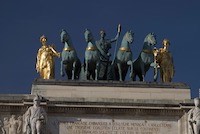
{"x": 22, "y": 22}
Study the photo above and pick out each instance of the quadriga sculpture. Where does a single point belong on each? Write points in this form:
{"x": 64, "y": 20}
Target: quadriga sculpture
{"x": 70, "y": 60}
{"x": 124, "y": 55}
{"x": 91, "y": 57}
{"x": 141, "y": 65}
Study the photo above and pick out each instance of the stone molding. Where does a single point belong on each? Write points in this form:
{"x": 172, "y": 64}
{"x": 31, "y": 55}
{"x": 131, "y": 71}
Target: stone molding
{"x": 66, "y": 104}
{"x": 111, "y": 83}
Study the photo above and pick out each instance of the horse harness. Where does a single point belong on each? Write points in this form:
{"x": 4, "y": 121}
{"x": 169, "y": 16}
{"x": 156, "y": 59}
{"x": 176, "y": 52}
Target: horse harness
{"x": 92, "y": 48}
{"x": 125, "y": 49}
{"x": 68, "y": 49}
{"x": 147, "y": 51}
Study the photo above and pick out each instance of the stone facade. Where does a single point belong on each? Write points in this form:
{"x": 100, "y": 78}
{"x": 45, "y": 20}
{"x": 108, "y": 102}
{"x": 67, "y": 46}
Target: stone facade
{"x": 103, "y": 115}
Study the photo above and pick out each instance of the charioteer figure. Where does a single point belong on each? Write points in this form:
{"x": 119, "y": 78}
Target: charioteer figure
{"x": 104, "y": 45}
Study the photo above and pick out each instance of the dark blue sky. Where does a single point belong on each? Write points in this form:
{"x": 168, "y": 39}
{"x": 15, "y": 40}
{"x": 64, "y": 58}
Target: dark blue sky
{"x": 22, "y": 22}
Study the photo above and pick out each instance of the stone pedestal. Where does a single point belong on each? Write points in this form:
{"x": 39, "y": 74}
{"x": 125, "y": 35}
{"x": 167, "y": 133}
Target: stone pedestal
{"x": 89, "y": 107}
{"x": 111, "y": 89}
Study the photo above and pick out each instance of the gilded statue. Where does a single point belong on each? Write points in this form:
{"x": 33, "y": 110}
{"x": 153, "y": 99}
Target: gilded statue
{"x": 35, "y": 118}
{"x": 45, "y": 60}
{"x": 194, "y": 118}
{"x": 165, "y": 61}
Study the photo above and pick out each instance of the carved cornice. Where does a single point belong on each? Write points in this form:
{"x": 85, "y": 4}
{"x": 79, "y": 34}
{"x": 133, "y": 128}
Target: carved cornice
{"x": 115, "y": 111}
{"x": 97, "y": 108}
{"x": 111, "y": 83}
{"x": 103, "y": 106}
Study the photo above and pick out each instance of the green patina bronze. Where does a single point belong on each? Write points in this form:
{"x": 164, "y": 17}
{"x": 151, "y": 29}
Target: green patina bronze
{"x": 141, "y": 65}
{"x": 124, "y": 55}
{"x": 104, "y": 45}
{"x": 70, "y": 60}
{"x": 97, "y": 64}
{"x": 91, "y": 61}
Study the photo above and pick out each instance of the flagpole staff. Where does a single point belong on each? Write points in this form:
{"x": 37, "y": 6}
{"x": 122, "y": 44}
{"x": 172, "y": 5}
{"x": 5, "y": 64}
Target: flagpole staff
{"x": 118, "y": 30}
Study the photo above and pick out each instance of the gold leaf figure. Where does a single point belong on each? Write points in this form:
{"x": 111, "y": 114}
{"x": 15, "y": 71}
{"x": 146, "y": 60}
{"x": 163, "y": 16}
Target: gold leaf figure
{"x": 45, "y": 60}
{"x": 165, "y": 61}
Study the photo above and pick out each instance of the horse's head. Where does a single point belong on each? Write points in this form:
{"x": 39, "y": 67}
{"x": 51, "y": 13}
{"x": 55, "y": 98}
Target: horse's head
{"x": 129, "y": 36}
{"x": 88, "y": 35}
{"x": 64, "y": 36}
{"x": 150, "y": 39}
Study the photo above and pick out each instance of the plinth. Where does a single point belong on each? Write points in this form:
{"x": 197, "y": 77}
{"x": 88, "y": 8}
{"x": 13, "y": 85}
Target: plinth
{"x": 106, "y": 107}
{"x": 111, "y": 89}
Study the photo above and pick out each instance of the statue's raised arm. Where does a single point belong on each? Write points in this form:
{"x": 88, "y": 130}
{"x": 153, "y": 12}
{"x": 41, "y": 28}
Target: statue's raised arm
{"x": 104, "y": 45}
{"x": 55, "y": 53}
{"x": 117, "y": 35}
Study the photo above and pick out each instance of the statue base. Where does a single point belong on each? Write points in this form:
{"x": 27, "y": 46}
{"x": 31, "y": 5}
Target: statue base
{"x": 111, "y": 89}
{"x": 106, "y": 107}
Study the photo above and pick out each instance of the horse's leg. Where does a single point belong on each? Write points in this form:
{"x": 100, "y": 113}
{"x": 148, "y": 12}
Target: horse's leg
{"x": 68, "y": 71}
{"x": 93, "y": 73}
{"x": 141, "y": 77}
{"x": 86, "y": 70}
{"x": 124, "y": 72}
{"x": 73, "y": 69}
{"x": 130, "y": 63}
{"x": 97, "y": 70}
{"x": 61, "y": 69}
{"x": 155, "y": 74}
{"x": 143, "y": 71}
{"x": 119, "y": 71}
{"x": 133, "y": 76}
{"x": 77, "y": 69}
